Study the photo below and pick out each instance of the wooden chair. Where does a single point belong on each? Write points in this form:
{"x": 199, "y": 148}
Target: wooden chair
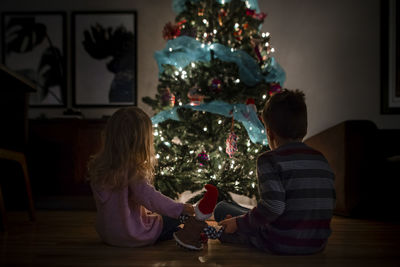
{"x": 14, "y": 96}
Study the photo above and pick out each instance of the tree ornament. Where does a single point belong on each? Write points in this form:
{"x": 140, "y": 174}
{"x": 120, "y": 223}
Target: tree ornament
{"x": 222, "y": 13}
{"x": 274, "y": 88}
{"x": 171, "y": 31}
{"x": 258, "y": 16}
{"x": 216, "y": 85}
{"x": 167, "y": 98}
{"x": 256, "y": 43}
{"x": 201, "y": 12}
{"x": 238, "y": 34}
{"x": 251, "y": 103}
{"x": 203, "y": 158}
{"x": 231, "y": 142}
{"x": 195, "y": 97}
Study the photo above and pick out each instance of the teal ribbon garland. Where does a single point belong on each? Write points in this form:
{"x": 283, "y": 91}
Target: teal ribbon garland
{"x": 240, "y": 112}
{"x": 183, "y": 50}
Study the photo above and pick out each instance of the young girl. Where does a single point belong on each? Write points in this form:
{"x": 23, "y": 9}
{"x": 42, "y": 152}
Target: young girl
{"x": 121, "y": 177}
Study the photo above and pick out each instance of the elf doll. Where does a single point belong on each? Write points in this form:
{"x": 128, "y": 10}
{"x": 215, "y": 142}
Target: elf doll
{"x": 196, "y": 231}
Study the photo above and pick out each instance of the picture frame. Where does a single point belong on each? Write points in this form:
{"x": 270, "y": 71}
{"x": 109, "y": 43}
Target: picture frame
{"x": 390, "y": 57}
{"x": 34, "y": 45}
{"x": 104, "y": 48}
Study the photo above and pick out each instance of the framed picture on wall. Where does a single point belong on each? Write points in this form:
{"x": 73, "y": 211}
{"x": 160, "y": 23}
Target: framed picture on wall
{"x": 390, "y": 57}
{"x": 33, "y": 45}
{"x": 104, "y": 58}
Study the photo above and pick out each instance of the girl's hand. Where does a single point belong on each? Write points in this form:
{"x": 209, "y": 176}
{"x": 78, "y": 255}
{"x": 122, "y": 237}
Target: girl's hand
{"x": 188, "y": 209}
{"x": 229, "y": 225}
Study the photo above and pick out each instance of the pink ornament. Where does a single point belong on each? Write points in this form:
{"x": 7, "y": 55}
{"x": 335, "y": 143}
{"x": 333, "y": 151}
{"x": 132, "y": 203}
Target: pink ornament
{"x": 231, "y": 144}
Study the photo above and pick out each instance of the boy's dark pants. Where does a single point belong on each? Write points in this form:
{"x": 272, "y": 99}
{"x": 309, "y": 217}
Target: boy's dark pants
{"x": 224, "y": 208}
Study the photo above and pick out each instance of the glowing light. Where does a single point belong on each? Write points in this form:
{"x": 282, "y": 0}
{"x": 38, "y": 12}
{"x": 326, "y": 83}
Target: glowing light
{"x": 162, "y": 173}
{"x": 256, "y": 150}
{"x": 215, "y": 31}
{"x": 264, "y": 96}
{"x": 213, "y": 177}
{"x": 155, "y": 133}
{"x": 272, "y": 50}
{"x": 251, "y": 172}
{"x": 253, "y": 185}
{"x": 233, "y": 162}
{"x": 167, "y": 144}
{"x": 193, "y": 65}
{"x": 266, "y": 44}
{"x": 180, "y": 104}
{"x": 237, "y": 81}
{"x": 251, "y": 128}
{"x": 157, "y": 156}
{"x": 176, "y": 73}
{"x": 263, "y": 34}
{"x": 202, "y": 45}
{"x": 232, "y": 49}
{"x": 262, "y": 131}
{"x": 212, "y": 46}
{"x": 156, "y": 125}
{"x": 236, "y": 25}
{"x": 237, "y": 183}
{"x": 219, "y": 121}
{"x": 162, "y": 138}
{"x": 205, "y": 21}
{"x": 170, "y": 49}
{"x": 267, "y": 34}
{"x": 191, "y": 151}
{"x": 199, "y": 170}
{"x": 220, "y": 148}
{"x": 205, "y": 129}
{"x": 219, "y": 166}
{"x": 205, "y": 34}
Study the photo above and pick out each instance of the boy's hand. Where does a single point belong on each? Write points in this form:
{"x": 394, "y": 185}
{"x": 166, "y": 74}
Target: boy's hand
{"x": 229, "y": 225}
{"x": 188, "y": 209}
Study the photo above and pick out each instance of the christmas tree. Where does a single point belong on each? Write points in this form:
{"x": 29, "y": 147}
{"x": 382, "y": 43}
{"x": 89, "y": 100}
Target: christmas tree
{"x": 215, "y": 75}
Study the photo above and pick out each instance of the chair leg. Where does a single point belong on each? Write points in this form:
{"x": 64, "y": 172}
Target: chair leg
{"x": 3, "y": 225}
{"x": 20, "y": 158}
{"x": 28, "y": 188}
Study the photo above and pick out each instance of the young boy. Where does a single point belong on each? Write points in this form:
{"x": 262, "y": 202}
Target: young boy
{"x": 296, "y": 186}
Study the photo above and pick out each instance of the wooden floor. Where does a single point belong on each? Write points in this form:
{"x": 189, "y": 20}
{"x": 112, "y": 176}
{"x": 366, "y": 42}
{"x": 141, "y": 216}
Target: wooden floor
{"x": 67, "y": 238}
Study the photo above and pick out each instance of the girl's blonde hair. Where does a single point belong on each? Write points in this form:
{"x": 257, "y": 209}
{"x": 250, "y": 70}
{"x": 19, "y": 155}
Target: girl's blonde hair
{"x": 127, "y": 151}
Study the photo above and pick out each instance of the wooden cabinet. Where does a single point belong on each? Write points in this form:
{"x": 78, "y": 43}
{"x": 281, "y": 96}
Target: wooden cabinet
{"x": 58, "y": 152}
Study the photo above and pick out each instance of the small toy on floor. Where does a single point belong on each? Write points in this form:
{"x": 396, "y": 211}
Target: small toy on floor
{"x": 196, "y": 232}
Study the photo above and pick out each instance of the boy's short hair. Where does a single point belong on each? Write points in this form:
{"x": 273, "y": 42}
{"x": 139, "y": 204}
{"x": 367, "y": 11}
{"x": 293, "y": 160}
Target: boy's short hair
{"x": 285, "y": 113}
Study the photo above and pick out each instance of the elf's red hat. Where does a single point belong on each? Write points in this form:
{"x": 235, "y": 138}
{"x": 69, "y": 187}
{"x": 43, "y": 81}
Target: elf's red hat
{"x": 207, "y": 204}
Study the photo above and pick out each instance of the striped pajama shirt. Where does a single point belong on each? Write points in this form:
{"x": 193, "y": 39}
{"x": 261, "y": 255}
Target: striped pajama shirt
{"x": 297, "y": 198}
